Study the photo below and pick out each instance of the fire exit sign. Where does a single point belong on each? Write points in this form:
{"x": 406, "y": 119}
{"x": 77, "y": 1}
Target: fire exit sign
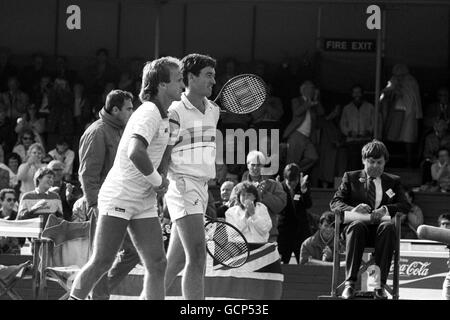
{"x": 347, "y": 45}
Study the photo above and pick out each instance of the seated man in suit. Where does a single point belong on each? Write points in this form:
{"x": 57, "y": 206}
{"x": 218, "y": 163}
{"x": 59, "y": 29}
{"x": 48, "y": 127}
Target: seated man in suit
{"x": 373, "y": 192}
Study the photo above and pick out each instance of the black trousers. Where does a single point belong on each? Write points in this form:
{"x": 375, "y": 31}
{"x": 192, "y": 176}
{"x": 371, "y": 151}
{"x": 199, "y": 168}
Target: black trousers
{"x": 360, "y": 235}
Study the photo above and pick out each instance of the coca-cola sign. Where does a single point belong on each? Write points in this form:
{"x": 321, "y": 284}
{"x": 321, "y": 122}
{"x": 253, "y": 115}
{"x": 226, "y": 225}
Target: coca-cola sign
{"x": 425, "y": 272}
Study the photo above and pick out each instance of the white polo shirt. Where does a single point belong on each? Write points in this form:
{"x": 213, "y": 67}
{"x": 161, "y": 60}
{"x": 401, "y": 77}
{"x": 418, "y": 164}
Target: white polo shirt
{"x": 125, "y": 186}
{"x": 194, "y": 140}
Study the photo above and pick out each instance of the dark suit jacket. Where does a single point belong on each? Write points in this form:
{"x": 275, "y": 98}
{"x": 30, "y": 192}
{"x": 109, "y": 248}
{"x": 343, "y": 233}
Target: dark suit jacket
{"x": 293, "y": 223}
{"x": 299, "y": 109}
{"x": 354, "y": 189}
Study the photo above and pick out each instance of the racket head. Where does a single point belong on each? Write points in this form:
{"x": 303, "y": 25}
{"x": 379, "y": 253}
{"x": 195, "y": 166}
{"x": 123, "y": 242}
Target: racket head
{"x": 226, "y": 244}
{"x": 243, "y": 94}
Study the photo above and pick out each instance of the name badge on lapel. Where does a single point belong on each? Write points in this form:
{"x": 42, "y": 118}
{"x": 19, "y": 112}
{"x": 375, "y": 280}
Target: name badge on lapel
{"x": 296, "y": 197}
{"x": 390, "y": 193}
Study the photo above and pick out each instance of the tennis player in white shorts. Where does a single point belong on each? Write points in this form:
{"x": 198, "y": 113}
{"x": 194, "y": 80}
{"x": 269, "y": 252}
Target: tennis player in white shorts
{"x": 191, "y": 163}
{"x": 127, "y": 198}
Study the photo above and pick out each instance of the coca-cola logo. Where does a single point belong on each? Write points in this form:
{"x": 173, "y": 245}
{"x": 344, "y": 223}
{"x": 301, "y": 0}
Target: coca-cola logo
{"x": 414, "y": 268}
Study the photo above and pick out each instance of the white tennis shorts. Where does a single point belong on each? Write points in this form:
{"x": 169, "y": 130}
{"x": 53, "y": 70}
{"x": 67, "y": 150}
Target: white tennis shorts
{"x": 128, "y": 211}
{"x": 186, "y": 196}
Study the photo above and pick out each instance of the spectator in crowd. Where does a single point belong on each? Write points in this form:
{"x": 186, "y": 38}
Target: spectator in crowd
{"x": 126, "y": 82}
{"x": 301, "y": 131}
{"x": 249, "y": 215}
{"x": 270, "y": 192}
{"x": 100, "y": 73}
{"x": 318, "y": 249}
{"x": 7, "y": 135}
{"x": 293, "y": 224}
{"x": 357, "y": 125}
{"x": 46, "y": 159}
{"x": 440, "y": 170}
{"x": 330, "y": 164}
{"x": 66, "y": 191}
{"x": 65, "y": 155}
{"x": 81, "y": 107}
{"x": 33, "y": 121}
{"x": 26, "y": 171}
{"x": 9, "y": 245}
{"x": 4, "y": 178}
{"x": 412, "y": 220}
{"x": 370, "y": 191}
{"x": 63, "y": 71}
{"x": 439, "y": 138}
{"x": 8, "y": 201}
{"x": 444, "y": 222}
{"x": 14, "y": 99}
{"x": 13, "y": 162}
{"x": 40, "y": 201}
{"x": 26, "y": 140}
{"x": 98, "y": 148}
{"x": 7, "y": 69}
{"x": 402, "y": 109}
{"x": 108, "y": 88}
{"x": 33, "y": 73}
{"x": 60, "y": 121}
{"x": 41, "y": 94}
{"x": 439, "y": 110}
{"x": 225, "y": 192}
{"x": 269, "y": 114}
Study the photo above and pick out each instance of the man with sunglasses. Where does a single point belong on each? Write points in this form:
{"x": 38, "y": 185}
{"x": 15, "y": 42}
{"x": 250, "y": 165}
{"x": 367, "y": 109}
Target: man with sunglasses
{"x": 7, "y": 205}
{"x": 8, "y": 201}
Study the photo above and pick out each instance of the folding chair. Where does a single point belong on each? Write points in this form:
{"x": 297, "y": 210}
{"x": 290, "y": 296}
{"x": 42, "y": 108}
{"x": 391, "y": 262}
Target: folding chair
{"x": 9, "y": 276}
{"x": 31, "y": 228}
{"x": 394, "y": 290}
{"x": 69, "y": 252}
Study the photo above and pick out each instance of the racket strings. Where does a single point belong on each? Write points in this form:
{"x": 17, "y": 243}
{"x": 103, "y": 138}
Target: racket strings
{"x": 244, "y": 95}
{"x": 226, "y": 244}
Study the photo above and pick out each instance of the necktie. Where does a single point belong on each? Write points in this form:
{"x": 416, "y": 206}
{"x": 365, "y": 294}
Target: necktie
{"x": 371, "y": 195}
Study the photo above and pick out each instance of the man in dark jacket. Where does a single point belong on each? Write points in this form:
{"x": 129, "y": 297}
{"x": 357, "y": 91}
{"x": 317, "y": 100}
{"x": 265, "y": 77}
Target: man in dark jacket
{"x": 373, "y": 194}
{"x": 98, "y": 147}
{"x": 293, "y": 225}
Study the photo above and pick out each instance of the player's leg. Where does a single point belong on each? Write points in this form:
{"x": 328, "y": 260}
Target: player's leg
{"x": 175, "y": 256}
{"x": 147, "y": 237}
{"x": 192, "y": 235}
{"x": 109, "y": 235}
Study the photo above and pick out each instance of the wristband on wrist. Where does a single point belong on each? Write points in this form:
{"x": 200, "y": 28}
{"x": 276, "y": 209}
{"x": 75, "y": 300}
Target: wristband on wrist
{"x": 154, "y": 178}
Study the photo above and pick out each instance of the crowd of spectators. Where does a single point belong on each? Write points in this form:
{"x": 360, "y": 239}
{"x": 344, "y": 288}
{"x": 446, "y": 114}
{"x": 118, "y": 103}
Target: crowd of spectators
{"x": 46, "y": 106}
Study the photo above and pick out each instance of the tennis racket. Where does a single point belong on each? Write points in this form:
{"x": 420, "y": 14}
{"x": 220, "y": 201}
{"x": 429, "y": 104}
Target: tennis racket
{"x": 242, "y": 94}
{"x": 225, "y": 243}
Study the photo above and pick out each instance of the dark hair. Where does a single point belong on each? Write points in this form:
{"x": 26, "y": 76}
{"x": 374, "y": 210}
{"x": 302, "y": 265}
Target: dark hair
{"x": 40, "y": 173}
{"x": 357, "y": 85}
{"x": 291, "y": 172}
{"x": 443, "y": 216}
{"x": 116, "y": 98}
{"x": 194, "y": 63}
{"x": 442, "y": 149}
{"x": 154, "y": 73}
{"x": 48, "y": 157}
{"x": 4, "y": 191}
{"x": 245, "y": 187}
{"x": 327, "y": 216}
{"x": 375, "y": 149}
{"x": 102, "y": 50}
{"x": 15, "y": 156}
